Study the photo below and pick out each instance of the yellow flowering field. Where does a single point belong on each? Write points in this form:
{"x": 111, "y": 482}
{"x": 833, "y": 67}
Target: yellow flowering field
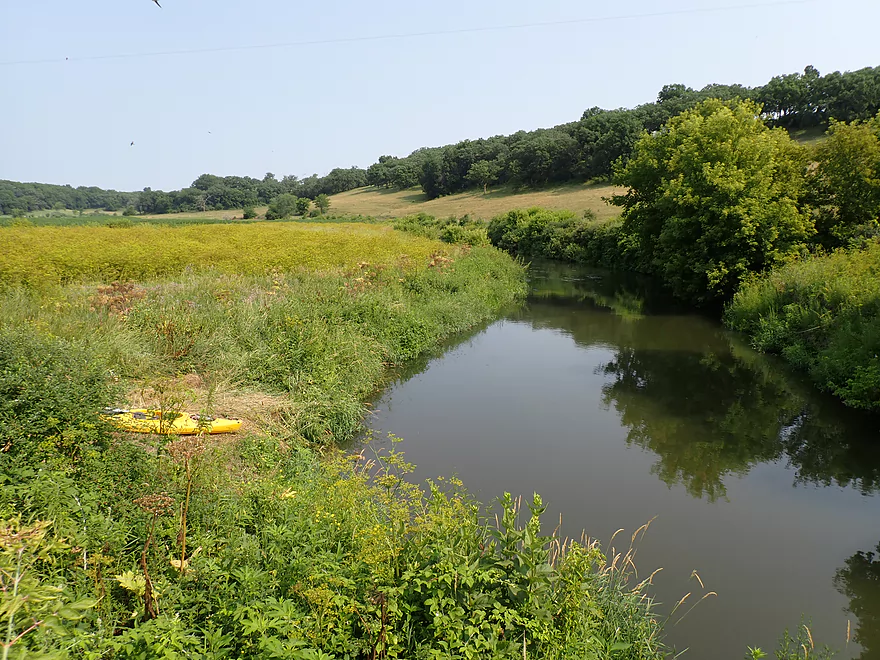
{"x": 46, "y": 255}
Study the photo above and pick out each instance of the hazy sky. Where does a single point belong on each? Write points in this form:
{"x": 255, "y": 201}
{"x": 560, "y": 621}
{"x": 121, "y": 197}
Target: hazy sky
{"x": 309, "y": 108}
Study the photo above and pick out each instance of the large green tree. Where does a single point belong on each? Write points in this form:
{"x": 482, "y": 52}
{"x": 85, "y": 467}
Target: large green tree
{"x": 845, "y": 184}
{"x": 713, "y": 196}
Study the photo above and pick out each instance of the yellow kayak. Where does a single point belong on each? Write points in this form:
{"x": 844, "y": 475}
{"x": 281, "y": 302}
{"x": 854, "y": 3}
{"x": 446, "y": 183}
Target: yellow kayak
{"x": 169, "y": 423}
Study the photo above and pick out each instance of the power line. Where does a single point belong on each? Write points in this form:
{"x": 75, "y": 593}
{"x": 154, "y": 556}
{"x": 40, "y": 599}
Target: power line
{"x": 411, "y": 35}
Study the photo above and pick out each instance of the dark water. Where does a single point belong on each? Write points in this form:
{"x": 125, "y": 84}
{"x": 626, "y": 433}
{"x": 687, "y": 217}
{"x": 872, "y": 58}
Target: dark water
{"x": 618, "y": 408}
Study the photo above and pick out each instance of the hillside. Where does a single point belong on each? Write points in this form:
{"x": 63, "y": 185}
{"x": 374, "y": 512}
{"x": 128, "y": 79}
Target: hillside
{"x": 383, "y": 203}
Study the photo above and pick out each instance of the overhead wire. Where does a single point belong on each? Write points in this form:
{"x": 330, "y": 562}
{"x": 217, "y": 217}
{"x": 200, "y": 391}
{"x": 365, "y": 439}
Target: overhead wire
{"x": 410, "y": 35}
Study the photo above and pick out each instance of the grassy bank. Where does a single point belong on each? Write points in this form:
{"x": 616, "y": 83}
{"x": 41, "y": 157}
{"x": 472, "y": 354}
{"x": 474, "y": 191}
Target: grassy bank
{"x": 271, "y": 543}
{"x": 823, "y": 315}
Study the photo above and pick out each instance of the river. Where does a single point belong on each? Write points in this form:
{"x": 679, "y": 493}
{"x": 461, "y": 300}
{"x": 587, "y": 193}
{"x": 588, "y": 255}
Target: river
{"x": 618, "y": 408}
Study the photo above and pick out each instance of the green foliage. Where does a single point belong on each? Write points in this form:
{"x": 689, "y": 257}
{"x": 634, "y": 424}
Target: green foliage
{"x": 713, "y": 197}
{"x": 248, "y": 213}
{"x": 129, "y": 211}
{"x": 34, "y": 616}
{"x": 302, "y": 205}
{"x": 282, "y": 207}
{"x": 322, "y": 201}
{"x": 560, "y": 235}
{"x": 845, "y": 184}
{"x": 484, "y": 173}
{"x": 823, "y": 315}
{"x": 458, "y": 231}
{"x": 50, "y": 393}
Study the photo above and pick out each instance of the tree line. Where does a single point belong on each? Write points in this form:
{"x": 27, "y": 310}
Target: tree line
{"x": 577, "y": 151}
{"x": 207, "y": 193}
{"x": 586, "y": 149}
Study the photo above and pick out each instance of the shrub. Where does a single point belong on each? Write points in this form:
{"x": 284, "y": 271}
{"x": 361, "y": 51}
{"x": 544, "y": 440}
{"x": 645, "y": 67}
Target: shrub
{"x": 248, "y": 213}
{"x": 823, "y": 315}
{"x": 129, "y": 211}
{"x": 282, "y": 207}
{"x": 561, "y": 235}
{"x": 461, "y": 231}
{"x": 51, "y": 392}
{"x": 303, "y": 204}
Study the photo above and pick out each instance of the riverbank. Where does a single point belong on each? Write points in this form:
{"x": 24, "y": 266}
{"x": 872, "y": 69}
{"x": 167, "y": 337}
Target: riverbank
{"x": 822, "y": 314}
{"x": 272, "y": 543}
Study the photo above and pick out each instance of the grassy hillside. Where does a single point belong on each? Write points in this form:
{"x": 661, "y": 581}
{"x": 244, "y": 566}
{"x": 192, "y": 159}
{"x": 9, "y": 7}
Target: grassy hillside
{"x": 395, "y": 203}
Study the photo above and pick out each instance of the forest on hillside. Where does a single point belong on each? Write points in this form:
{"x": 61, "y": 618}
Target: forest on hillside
{"x": 577, "y": 151}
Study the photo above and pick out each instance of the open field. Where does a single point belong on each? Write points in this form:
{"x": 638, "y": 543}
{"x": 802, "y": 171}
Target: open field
{"x": 396, "y": 203}
{"x": 50, "y": 255}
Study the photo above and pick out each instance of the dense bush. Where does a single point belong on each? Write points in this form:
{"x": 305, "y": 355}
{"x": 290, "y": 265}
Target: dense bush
{"x": 248, "y": 213}
{"x": 282, "y": 207}
{"x": 823, "y": 315}
{"x": 712, "y": 198}
{"x": 50, "y": 393}
{"x": 561, "y": 235}
{"x": 461, "y": 231}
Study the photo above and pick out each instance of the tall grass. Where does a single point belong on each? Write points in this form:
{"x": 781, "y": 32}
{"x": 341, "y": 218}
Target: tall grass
{"x": 295, "y": 549}
{"x": 823, "y": 315}
{"x": 164, "y": 220}
{"x": 46, "y": 255}
{"x": 323, "y": 339}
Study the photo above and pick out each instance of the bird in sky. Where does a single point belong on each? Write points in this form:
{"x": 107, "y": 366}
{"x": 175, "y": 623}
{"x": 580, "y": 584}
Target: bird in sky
{"x": 132, "y": 144}
{"x": 157, "y": 4}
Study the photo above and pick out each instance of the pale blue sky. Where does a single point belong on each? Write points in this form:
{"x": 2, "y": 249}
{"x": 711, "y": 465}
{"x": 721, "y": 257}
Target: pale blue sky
{"x": 305, "y": 109}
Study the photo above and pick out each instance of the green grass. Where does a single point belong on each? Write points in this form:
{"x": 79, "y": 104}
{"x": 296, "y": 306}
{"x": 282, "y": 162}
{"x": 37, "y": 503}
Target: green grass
{"x": 323, "y": 340}
{"x": 823, "y": 315}
{"x": 385, "y": 203}
{"x": 809, "y": 136}
{"x": 292, "y": 549}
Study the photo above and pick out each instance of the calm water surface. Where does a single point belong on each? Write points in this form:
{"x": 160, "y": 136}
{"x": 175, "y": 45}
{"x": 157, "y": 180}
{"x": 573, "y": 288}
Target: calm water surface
{"x": 617, "y": 408}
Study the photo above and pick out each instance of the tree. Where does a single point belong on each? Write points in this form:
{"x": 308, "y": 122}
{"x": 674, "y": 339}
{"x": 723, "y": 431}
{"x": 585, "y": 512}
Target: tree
{"x": 248, "y": 213}
{"x": 845, "y": 185}
{"x": 282, "y": 207}
{"x": 483, "y": 173}
{"x": 322, "y": 201}
{"x": 713, "y": 196}
{"x": 302, "y": 205}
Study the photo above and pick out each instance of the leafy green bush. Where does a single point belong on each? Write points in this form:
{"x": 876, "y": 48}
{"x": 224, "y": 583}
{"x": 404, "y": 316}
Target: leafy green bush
{"x": 282, "y": 207}
{"x": 248, "y": 213}
{"x": 823, "y": 315}
{"x": 561, "y": 235}
{"x": 50, "y": 393}
{"x": 459, "y": 231}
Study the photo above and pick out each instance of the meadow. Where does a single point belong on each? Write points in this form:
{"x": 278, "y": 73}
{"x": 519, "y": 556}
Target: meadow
{"x": 388, "y": 203}
{"x": 46, "y": 255}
